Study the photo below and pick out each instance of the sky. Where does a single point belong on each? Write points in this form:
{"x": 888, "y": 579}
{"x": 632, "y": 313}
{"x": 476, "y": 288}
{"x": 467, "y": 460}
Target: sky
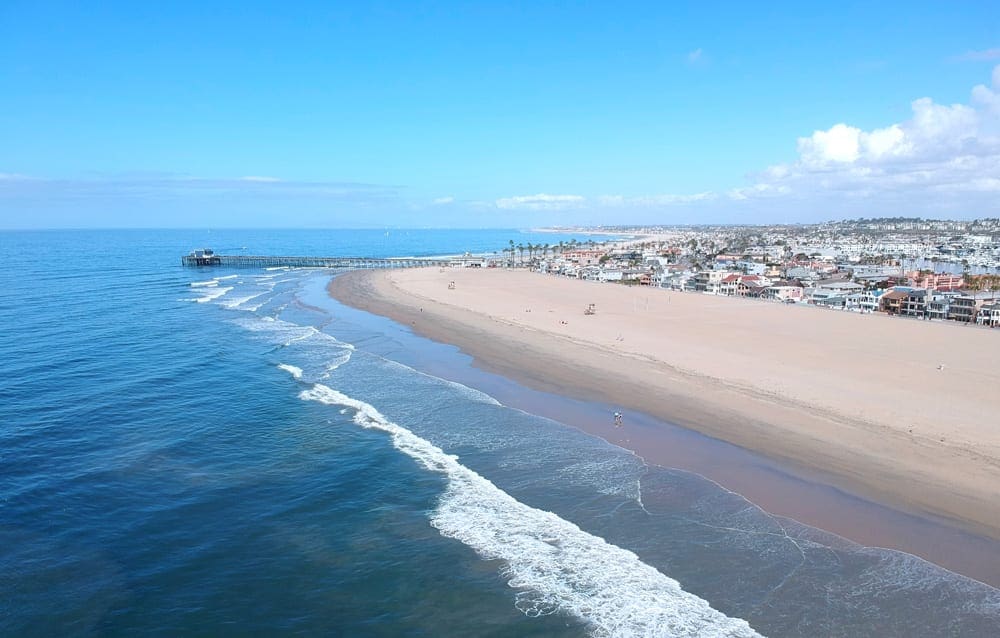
{"x": 427, "y": 114}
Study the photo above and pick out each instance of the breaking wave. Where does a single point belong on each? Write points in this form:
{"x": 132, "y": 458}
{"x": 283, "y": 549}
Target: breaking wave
{"x": 554, "y": 565}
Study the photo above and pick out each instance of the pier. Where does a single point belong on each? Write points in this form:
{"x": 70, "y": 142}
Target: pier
{"x": 208, "y": 257}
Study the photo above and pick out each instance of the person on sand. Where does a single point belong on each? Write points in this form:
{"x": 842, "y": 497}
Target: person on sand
{"x": 618, "y": 419}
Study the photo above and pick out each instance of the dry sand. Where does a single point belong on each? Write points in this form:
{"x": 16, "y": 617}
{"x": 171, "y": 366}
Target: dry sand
{"x": 861, "y": 399}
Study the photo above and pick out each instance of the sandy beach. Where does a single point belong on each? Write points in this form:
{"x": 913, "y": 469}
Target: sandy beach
{"x": 904, "y": 412}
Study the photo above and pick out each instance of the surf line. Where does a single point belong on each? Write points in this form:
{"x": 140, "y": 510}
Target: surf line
{"x": 555, "y": 566}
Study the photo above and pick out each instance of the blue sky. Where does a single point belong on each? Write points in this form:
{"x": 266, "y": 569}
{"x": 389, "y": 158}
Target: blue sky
{"x": 322, "y": 114}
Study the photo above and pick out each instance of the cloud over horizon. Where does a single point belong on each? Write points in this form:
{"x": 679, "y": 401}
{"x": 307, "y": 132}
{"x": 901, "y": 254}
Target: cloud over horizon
{"x": 541, "y": 201}
{"x": 939, "y": 153}
{"x": 945, "y": 158}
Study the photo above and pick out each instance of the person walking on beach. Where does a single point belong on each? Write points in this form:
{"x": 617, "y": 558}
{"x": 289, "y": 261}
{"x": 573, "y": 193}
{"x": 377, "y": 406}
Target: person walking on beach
{"x": 618, "y": 419}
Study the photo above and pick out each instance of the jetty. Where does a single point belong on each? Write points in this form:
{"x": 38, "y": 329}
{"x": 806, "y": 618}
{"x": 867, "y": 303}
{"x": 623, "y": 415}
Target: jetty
{"x": 208, "y": 257}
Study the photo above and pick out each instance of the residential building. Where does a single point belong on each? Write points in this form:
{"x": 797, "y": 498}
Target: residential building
{"x": 938, "y": 305}
{"x": 710, "y": 281}
{"x": 743, "y": 285}
{"x": 892, "y": 301}
{"x": 915, "y": 304}
{"x": 834, "y": 293}
{"x": 584, "y": 257}
{"x": 964, "y": 308}
{"x": 752, "y": 267}
{"x": 989, "y": 315}
{"x": 788, "y": 290}
{"x": 868, "y": 300}
{"x": 932, "y": 281}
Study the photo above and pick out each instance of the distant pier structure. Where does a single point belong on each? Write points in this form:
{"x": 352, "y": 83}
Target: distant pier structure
{"x": 208, "y": 257}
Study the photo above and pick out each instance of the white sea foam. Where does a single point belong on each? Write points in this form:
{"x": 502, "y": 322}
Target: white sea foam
{"x": 319, "y": 353}
{"x": 214, "y": 293}
{"x": 226, "y": 277}
{"x": 199, "y": 284}
{"x": 234, "y": 302}
{"x": 238, "y": 302}
{"x": 555, "y": 566}
{"x": 468, "y": 393}
{"x": 302, "y": 333}
{"x": 292, "y": 370}
{"x": 471, "y": 393}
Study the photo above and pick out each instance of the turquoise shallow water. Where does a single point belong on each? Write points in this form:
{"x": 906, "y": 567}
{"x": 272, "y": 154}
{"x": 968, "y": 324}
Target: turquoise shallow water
{"x": 192, "y": 451}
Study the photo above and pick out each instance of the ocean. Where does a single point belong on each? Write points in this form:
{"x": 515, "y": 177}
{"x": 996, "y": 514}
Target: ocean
{"x": 199, "y": 451}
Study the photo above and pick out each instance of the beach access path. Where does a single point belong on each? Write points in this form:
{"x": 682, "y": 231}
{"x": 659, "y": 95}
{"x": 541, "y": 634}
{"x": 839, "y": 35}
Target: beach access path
{"x": 904, "y": 412}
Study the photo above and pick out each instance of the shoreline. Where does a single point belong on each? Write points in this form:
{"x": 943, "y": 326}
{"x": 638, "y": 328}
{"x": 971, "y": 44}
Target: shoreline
{"x": 872, "y": 460}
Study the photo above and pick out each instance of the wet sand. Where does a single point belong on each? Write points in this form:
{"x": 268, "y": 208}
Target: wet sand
{"x": 799, "y": 485}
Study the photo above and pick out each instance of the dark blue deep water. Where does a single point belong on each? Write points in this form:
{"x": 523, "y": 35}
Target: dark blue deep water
{"x": 209, "y": 452}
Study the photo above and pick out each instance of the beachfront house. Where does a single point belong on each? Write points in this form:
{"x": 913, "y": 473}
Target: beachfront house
{"x": 787, "y": 291}
{"x": 743, "y": 285}
{"x": 642, "y": 277}
{"x": 610, "y": 274}
{"x": 989, "y": 315}
{"x": 915, "y": 304}
{"x": 710, "y": 281}
{"x": 938, "y": 305}
{"x": 965, "y": 307}
{"x": 727, "y": 286}
{"x": 834, "y": 293}
{"x": 674, "y": 277}
{"x": 892, "y": 301}
{"x": 868, "y": 300}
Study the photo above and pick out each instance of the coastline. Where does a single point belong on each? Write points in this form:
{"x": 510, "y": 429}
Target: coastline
{"x": 517, "y": 330}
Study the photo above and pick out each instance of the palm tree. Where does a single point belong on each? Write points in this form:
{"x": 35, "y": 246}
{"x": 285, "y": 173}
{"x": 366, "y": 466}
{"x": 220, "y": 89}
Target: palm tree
{"x": 511, "y": 252}
{"x": 520, "y": 249}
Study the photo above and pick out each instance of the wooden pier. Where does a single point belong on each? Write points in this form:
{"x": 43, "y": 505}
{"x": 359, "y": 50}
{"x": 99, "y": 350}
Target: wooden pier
{"x": 209, "y": 258}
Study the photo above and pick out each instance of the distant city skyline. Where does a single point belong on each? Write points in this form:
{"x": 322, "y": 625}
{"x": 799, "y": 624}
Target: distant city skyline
{"x": 474, "y": 115}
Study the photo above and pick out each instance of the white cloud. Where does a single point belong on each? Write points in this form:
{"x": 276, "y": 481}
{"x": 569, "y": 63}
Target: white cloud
{"x": 654, "y": 200}
{"x": 839, "y": 144}
{"x": 757, "y": 191}
{"x": 989, "y": 98}
{"x": 260, "y": 178}
{"x": 945, "y": 157}
{"x": 541, "y": 201}
{"x": 940, "y": 152}
{"x": 441, "y": 201}
{"x": 696, "y": 56}
{"x": 979, "y": 56}
{"x": 985, "y": 185}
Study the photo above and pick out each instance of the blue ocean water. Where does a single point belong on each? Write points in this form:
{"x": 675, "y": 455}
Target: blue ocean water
{"x": 213, "y": 452}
